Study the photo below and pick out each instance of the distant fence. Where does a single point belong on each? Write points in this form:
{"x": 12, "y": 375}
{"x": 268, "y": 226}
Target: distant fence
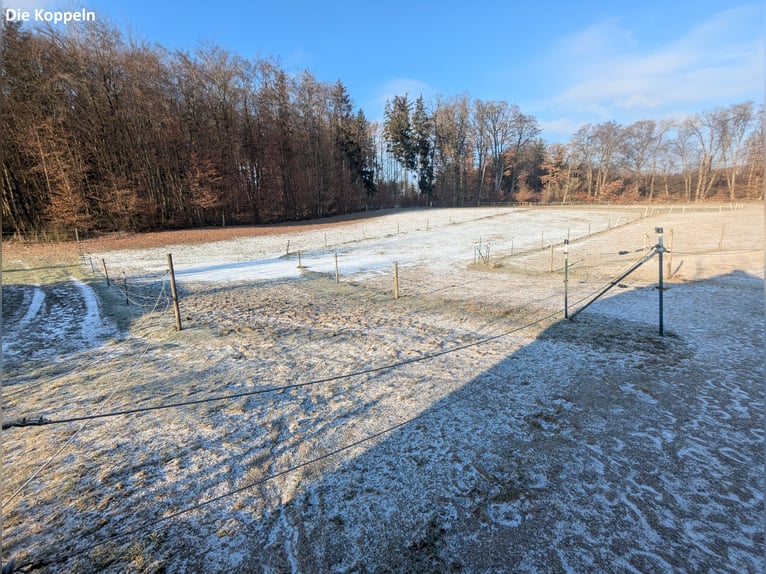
{"x": 147, "y": 293}
{"x": 152, "y": 291}
{"x": 58, "y": 235}
{"x": 149, "y": 290}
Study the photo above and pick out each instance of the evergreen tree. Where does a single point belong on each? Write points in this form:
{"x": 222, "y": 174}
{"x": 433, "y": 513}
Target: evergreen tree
{"x": 352, "y": 139}
{"x": 366, "y": 154}
{"x": 423, "y": 143}
{"x": 397, "y": 130}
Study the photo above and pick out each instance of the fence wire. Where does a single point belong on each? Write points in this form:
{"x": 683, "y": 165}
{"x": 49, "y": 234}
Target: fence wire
{"x": 149, "y": 293}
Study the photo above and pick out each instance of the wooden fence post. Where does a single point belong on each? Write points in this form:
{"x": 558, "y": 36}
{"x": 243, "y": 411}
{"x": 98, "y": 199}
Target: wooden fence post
{"x": 396, "y": 280}
{"x": 174, "y": 292}
{"x": 550, "y": 261}
{"x": 106, "y": 273}
{"x": 337, "y": 274}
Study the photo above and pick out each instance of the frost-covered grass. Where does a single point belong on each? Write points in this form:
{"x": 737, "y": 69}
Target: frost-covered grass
{"x": 481, "y": 433}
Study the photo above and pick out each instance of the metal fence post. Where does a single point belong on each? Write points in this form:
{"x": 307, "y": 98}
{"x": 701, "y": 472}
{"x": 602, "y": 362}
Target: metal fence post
{"x": 566, "y": 278}
{"x": 660, "y": 251}
{"x": 662, "y": 327}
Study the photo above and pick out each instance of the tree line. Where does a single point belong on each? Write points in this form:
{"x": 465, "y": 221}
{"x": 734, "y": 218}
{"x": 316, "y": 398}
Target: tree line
{"x": 103, "y": 133}
{"x": 468, "y": 152}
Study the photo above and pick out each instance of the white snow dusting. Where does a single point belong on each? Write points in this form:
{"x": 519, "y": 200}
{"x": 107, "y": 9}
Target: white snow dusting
{"x": 541, "y": 445}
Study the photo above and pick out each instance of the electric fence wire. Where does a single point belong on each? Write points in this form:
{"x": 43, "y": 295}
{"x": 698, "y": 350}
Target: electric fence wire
{"x": 159, "y": 298}
{"x": 23, "y": 388}
{"x": 148, "y": 301}
{"x": 47, "y": 422}
{"x": 135, "y": 296}
{"x": 717, "y": 252}
{"x": 153, "y": 524}
{"x": 239, "y": 395}
{"x": 41, "y": 421}
{"x": 80, "y": 428}
{"x": 69, "y": 441}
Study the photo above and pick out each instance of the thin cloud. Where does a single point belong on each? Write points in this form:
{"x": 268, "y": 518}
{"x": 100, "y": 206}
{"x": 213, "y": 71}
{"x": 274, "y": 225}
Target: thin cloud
{"x": 611, "y": 77}
{"x": 298, "y": 60}
{"x": 399, "y": 87}
{"x": 559, "y": 126}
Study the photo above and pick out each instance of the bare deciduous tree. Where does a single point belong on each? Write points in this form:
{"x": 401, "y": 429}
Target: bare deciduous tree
{"x": 102, "y": 132}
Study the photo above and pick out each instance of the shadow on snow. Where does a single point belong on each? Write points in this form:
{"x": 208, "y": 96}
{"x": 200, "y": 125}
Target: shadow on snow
{"x": 600, "y": 446}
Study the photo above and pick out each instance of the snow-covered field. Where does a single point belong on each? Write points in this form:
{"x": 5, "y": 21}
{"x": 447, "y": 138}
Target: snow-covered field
{"x": 314, "y": 426}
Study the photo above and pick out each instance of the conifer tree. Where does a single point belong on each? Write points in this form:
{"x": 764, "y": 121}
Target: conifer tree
{"x": 423, "y": 144}
{"x": 397, "y": 130}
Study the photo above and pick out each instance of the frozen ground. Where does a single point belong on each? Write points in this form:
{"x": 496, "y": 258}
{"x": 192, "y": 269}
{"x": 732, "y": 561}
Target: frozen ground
{"x": 465, "y": 427}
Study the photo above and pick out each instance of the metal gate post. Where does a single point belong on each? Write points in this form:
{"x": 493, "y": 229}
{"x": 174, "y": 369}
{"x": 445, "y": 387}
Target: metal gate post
{"x": 566, "y": 278}
{"x": 660, "y": 248}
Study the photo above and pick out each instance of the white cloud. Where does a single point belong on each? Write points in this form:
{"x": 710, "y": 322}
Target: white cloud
{"x": 610, "y": 77}
{"x": 559, "y": 127}
{"x": 398, "y": 87}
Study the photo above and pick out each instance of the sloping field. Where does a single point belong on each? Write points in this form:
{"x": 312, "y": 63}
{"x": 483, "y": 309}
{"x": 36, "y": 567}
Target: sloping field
{"x": 299, "y": 424}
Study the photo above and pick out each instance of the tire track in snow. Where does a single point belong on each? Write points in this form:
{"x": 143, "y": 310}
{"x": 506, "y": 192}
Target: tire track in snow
{"x": 11, "y": 332}
{"x": 92, "y": 324}
{"x": 60, "y": 319}
{"x": 38, "y": 297}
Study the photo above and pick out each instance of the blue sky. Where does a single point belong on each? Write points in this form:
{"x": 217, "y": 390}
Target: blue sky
{"x": 567, "y": 63}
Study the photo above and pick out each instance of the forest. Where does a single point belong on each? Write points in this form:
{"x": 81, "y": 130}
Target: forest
{"x": 104, "y": 133}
